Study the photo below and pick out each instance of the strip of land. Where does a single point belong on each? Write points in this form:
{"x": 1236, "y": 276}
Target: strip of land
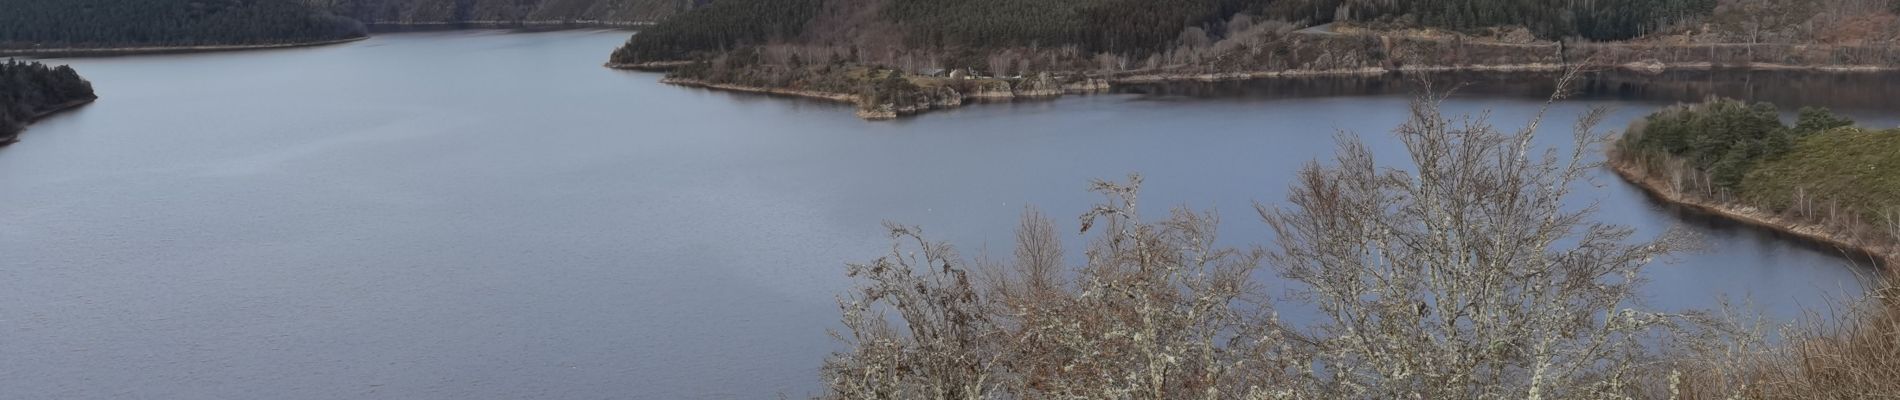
{"x": 1854, "y": 249}
{"x": 126, "y": 51}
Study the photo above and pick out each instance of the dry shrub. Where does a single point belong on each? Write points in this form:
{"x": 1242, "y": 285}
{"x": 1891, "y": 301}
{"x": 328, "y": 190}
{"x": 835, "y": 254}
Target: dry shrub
{"x": 1855, "y": 357}
{"x": 1152, "y": 314}
{"x": 1467, "y": 277}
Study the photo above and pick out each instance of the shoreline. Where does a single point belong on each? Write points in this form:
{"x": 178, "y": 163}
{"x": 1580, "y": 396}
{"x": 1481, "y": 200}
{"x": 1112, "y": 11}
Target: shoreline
{"x": 809, "y": 94}
{"x": 1655, "y": 68}
{"x": 650, "y": 66}
{"x": 128, "y": 51}
{"x": 394, "y": 27}
{"x": 1754, "y": 218}
{"x": 68, "y": 106}
{"x": 374, "y": 28}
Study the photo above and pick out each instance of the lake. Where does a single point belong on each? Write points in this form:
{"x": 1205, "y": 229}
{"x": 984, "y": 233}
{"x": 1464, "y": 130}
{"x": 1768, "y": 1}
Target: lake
{"x": 486, "y": 214}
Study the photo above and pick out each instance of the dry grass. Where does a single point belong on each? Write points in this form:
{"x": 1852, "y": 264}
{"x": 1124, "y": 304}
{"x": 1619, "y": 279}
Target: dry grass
{"x": 1857, "y": 357}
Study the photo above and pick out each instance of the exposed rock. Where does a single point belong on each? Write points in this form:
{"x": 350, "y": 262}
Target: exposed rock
{"x": 926, "y": 99}
{"x": 1042, "y": 85}
{"x": 1086, "y": 85}
{"x": 991, "y": 90}
{"x": 878, "y": 112}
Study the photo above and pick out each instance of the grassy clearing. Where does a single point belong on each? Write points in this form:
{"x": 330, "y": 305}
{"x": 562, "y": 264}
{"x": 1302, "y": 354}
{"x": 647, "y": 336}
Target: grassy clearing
{"x": 1857, "y": 169}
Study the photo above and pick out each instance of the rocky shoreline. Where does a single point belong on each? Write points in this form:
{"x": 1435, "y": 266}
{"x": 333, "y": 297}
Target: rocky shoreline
{"x": 69, "y": 106}
{"x": 936, "y": 98}
{"x": 1881, "y": 254}
{"x": 810, "y": 94}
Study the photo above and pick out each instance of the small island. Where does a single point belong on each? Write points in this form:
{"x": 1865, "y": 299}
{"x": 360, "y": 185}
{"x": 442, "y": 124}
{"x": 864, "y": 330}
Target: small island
{"x": 901, "y": 57}
{"x": 30, "y": 91}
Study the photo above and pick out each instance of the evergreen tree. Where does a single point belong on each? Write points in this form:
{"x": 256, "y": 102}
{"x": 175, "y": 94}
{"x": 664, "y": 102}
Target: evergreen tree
{"x": 29, "y": 90}
{"x": 48, "y": 24}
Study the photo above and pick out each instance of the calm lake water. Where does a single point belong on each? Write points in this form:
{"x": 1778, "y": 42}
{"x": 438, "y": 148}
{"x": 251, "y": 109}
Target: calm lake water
{"x": 483, "y": 214}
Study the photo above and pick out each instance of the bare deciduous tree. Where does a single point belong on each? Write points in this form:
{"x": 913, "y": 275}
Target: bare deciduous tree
{"x": 1466, "y": 277}
{"x": 1462, "y": 275}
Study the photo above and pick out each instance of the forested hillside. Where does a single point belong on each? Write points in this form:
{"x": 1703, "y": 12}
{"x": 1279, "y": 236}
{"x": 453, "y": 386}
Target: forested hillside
{"x": 30, "y": 90}
{"x": 50, "y": 24}
{"x": 1122, "y": 27}
{"x": 503, "y": 11}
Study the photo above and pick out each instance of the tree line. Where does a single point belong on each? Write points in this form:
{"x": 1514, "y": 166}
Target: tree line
{"x": 29, "y": 24}
{"x": 1562, "y": 19}
{"x": 1819, "y": 169}
{"x": 1727, "y": 138}
{"x": 722, "y": 25}
{"x": 28, "y": 90}
{"x": 1120, "y": 26}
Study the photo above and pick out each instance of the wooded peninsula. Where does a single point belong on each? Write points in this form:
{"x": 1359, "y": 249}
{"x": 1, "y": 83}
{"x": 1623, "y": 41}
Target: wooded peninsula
{"x": 30, "y": 91}
{"x": 1821, "y": 178}
{"x": 897, "y": 57}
